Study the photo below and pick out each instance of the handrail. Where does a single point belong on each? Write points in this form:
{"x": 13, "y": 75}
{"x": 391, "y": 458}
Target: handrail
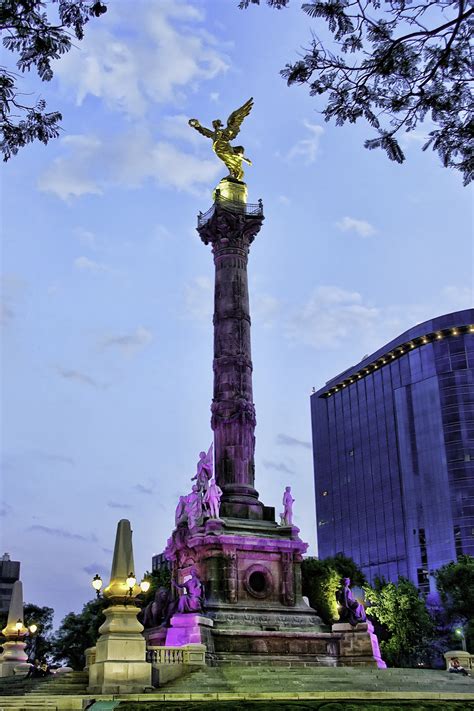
{"x": 187, "y": 654}
{"x": 244, "y": 208}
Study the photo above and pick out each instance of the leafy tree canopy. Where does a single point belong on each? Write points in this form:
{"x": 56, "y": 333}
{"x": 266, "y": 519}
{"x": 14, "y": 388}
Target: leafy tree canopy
{"x": 321, "y": 579}
{"x": 78, "y": 632}
{"x": 455, "y": 583}
{"x": 401, "y": 609}
{"x": 394, "y": 63}
{"x": 158, "y": 578}
{"x": 29, "y": 31}
{"x": 39, "y": 645}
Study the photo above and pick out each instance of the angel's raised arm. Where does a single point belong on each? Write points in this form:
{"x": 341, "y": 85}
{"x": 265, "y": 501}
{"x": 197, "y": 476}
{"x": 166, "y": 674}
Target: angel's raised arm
{"x": 205, "y": 131}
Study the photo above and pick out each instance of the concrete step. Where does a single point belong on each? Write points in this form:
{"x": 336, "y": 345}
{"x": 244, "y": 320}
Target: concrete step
{"x": 232, "y": 679}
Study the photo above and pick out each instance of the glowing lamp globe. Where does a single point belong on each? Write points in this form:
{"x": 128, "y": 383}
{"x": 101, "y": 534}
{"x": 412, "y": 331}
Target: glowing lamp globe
{"x": 145, "y": 586}
{"x": 131, "y": 581}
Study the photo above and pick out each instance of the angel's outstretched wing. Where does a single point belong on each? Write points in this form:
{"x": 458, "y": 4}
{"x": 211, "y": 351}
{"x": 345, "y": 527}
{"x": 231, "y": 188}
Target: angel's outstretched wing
{"x": 234, "y": 121}
{"x": 202, "y": 129}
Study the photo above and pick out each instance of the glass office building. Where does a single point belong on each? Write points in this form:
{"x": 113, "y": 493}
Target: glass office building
{"x": 393, "y": 447}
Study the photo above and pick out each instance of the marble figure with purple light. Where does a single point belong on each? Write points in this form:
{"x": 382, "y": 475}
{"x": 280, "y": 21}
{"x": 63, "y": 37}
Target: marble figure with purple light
{"x": 288, "y": 501}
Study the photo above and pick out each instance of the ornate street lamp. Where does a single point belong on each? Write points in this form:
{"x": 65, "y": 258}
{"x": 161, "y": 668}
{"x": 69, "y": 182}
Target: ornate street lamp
{"x": 131, "y": 582}
{"x": 97, "y": 583}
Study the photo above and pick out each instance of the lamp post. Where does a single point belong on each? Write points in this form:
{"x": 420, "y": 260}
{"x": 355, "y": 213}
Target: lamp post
{"x": 119, "y": 665}
{"x": 459, "y": 632}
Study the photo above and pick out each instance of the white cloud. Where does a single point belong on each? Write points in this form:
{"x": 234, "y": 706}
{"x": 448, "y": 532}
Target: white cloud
{"x": 361, "y": 227}
{"x": 86, "y": 264}
{"x": 214, "y": 96}
{"x": 92, "y": 166}
{"x": 199, "y": 298}
{"x": 177, "y": 126}
{"x": 284, "y": 199}
{"x": 165, "y": 50}
{"x": 130, "y": 343}
{"x": 330, "y": 316}
{"x": 307, "y": 148}
{"x": 264, "y": 309}
{"x": 86, "y": 237}
{"x": 333, "y": 317}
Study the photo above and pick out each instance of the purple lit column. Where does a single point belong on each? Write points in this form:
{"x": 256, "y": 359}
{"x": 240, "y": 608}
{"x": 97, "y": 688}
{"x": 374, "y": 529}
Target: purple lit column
{"x": 230, "y": 232}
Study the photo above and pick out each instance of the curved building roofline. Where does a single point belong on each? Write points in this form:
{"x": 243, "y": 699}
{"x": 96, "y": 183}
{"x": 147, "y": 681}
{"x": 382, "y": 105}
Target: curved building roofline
{"x": 451, "y": 324}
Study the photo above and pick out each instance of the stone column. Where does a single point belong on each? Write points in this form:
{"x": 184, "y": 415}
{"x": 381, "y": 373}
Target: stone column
{"x": 230, "y": 228}
{"x": 120, "y": 666}
{"x": 13, "y": 659}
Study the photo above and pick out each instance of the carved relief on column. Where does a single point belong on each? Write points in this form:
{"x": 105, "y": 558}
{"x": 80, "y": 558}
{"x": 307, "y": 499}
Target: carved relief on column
{"x": 231, "y": 576}
{"x": 287, "y": 584}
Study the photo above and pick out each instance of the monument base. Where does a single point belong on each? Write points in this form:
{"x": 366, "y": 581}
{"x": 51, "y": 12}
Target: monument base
{"x": 120, "y": 665}
{"x": 358, "y": 645}
{"x": 188, "y": 628}
{"x": 13, "y": 655}
{"x": 231, "y": 189}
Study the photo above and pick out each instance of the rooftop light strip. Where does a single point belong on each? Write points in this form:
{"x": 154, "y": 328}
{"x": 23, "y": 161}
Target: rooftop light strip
{"x": 397, "y": 352}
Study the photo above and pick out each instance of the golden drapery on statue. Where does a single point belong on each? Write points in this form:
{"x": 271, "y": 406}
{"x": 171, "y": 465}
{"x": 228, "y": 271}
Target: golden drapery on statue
{"x": 232, "y": 156}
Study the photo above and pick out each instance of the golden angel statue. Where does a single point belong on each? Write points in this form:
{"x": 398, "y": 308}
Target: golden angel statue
{"x": 233, "y": 156}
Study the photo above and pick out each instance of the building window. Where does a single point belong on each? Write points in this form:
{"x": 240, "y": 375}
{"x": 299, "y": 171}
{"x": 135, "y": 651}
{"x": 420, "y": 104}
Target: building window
{"x": 457, "y": 541}
{"x": 423, "y": 580}
{"x": 422, "y": 544}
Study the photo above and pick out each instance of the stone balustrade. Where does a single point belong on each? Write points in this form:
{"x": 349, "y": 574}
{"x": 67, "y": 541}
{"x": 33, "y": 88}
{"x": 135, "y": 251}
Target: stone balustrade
{"x": 168, "y": 662}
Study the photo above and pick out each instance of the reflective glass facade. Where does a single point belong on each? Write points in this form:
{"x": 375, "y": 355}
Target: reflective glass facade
{"x": 393, "y": 446}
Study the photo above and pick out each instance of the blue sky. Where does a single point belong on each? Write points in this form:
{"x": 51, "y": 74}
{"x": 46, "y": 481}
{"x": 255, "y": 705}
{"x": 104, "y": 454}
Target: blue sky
{"x": 107, "y": 289}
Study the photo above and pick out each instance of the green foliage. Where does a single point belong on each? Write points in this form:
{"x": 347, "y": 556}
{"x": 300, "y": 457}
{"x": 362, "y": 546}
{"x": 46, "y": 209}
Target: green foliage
{"x": 78, "y": 632}
{"x": 28, "y": 31}
{"x": 157, "y": 578}
{"x": 347, "y": 568}
{"x": 320, "y": 584}
{"x": 455, "y": 583}
{"x": 394, "y": 64}
{"x": 39, "y": 645}
{"x": 321, "y": 579}
{"x": 401, "y": 610}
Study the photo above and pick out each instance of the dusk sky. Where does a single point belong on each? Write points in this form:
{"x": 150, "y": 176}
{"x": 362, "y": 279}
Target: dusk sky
{"x": 108, "y": 290}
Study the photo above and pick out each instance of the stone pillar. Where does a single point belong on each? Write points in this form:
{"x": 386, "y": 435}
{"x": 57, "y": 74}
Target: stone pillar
{"x": 358, "y": 645}
{"x": 230, "y": 228}
{"x": 13, "y": 659}
{"x": 120, "y": 665}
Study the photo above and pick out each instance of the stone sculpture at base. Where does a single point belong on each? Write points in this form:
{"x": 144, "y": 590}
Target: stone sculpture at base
{"x": 351, "y": 610}
{"x": 212, "y": 499}
{"x": 191, "y": 600}
{"x": 288, "y": 501}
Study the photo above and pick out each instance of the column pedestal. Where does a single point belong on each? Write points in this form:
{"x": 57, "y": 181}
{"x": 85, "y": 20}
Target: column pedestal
{"x": 120, "y": 666}
{"x": 14, "y": 659}
{"x": 188, "y": 628}
{"x": 359, "y": 645}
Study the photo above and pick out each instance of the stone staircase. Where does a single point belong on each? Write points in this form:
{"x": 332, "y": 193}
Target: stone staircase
{"x": 245, "y": 679}
{"x": 62, "y": 685}
{"x": 62, "y": 692}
